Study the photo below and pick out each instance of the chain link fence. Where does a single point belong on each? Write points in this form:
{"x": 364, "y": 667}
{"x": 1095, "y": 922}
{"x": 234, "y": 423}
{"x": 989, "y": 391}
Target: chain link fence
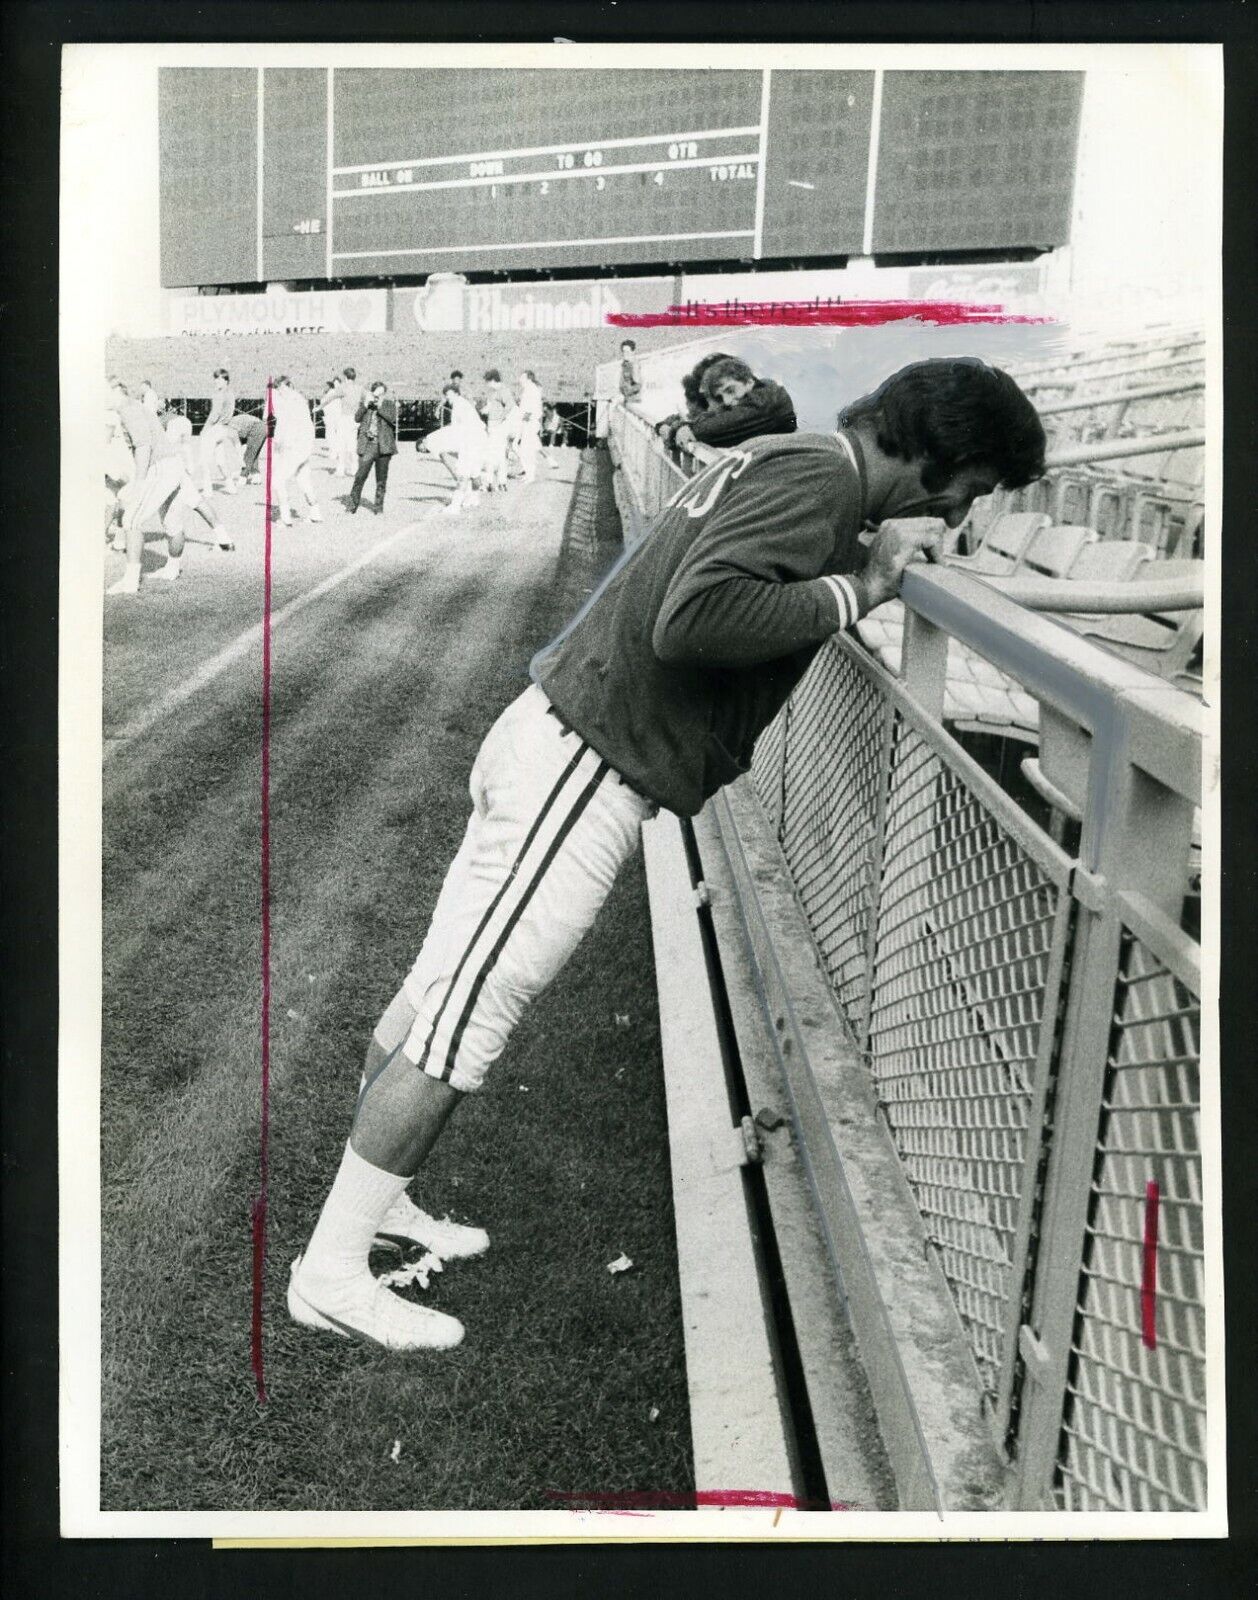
{"x": 1133, "y": 1431}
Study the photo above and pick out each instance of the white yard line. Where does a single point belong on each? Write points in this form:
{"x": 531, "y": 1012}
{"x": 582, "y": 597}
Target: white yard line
{"x": 242, "y": 646}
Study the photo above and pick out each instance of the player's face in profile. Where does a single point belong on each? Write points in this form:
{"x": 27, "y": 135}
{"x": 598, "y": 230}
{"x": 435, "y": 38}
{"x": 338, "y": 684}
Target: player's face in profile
{"x": 731, "y": 390}
{"x": 952, "y": 503}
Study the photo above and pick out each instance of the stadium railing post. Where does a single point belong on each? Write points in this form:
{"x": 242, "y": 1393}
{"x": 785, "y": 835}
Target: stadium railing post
{"x": 1135, "y": 840}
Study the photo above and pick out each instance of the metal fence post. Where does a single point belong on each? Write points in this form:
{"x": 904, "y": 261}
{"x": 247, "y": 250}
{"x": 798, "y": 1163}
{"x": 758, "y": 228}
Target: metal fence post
{"x": 886, "y": 758}
{"x": 1135, "y": 836}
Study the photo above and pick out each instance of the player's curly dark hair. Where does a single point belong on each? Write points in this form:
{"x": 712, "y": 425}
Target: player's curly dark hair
{"x": 692, "y": 383}
{"x": 956, "y": 412}
{"x": 722, "y": 371}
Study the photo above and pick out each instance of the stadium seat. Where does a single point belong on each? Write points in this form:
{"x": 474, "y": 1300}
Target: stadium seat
{"x": 1110, "y": 561}
{"x": 1053, "y": 550}
{"x": 1163, "y": 642}
{"x": 1003, "y": 545}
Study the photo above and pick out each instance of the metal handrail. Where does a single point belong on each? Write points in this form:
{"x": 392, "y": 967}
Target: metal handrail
{"x": 1070, "y": 595}
{"x": 1155, "y": 391}
{"x": 1147, "y": 444}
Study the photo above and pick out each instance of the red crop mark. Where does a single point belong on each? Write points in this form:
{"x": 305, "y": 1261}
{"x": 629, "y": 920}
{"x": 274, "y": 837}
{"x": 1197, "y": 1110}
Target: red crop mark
{"x": 1149, "y": 1273}
{"x": 258, "y": 1210}
{"x": 639, "y": 1502}
{"x": 828, "y": 313}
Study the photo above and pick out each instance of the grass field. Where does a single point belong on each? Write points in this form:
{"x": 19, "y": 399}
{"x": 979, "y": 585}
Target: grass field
{"x": 570, "y": 1380}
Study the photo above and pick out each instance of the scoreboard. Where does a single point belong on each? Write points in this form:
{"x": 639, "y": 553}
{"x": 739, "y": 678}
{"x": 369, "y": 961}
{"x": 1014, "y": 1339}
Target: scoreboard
{"x": 343, "y": 173}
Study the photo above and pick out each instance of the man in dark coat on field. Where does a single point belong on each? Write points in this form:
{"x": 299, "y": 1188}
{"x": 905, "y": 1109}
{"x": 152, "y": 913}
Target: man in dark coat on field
{"x": 377, "y": 443}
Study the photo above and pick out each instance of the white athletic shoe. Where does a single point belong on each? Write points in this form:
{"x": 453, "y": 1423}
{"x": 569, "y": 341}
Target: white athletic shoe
{"x": 452, "y": 1241}
{"x": 168, "y": 573}
{"x": 232, "y": 486}
{"x": 286, "y": 522}
{"x": 453, "y": 509}
{"x": 368, "y": 1310}
{"x": 129, "y": 583}
{"x": 315, "y": 514}
{"x": 223, "y": 542}
{"x": 473, "y": 499}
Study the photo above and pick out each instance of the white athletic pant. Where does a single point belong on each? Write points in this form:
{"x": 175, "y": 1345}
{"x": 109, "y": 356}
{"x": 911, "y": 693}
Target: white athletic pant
{"x": 496, "y": 440}
{"x": 344, "y": 450}
{"x": 291, "y": 465}
{"x": 219, "y": 447}
{"x": 551, "y": 826}
{"x": 528, "y": 445}
{"x": 165, "y": 490}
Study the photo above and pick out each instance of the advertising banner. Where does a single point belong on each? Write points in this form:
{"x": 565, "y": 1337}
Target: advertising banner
{"x": 447, "y": 304}
{"x": 281, "y": 311}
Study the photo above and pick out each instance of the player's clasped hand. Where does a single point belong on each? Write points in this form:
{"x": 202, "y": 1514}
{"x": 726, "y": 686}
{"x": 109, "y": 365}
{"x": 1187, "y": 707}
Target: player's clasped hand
{"x": 899, "y": 541}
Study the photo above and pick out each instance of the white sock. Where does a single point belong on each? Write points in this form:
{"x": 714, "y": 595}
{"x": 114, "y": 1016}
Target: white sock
{"x": 358, "y": 1203}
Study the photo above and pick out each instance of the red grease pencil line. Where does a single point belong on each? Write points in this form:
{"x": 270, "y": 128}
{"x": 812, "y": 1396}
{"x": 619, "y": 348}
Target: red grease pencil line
{"x": 1149, "y": 1274}
{"x": 634, "y": 1502}
{"x": 816, "y": 313}
{"x": 260, "y": 1203}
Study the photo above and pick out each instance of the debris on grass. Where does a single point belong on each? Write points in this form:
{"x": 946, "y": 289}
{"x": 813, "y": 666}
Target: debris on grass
{"x": 417, "y": 1271}
{"x": 524, "y": 1088}
{"x": 622, "y": 1263}
{"x": 396, "y": 1452}
{"x": 622, "y": 1019}
{"x": 295, "y": 1015}
{"x": 653, "y": 1415}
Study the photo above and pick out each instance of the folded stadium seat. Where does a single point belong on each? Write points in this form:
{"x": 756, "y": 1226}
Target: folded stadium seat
{"x": 1111, "y": 561}
{"x": 1163, "y": 642}
{"x": 1053, "y": 550}
{"x": 1003, "y": 545}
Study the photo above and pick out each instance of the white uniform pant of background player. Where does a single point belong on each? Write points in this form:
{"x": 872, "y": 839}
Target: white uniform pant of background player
{"x": 291, "y": 466}
{"x": 497, "y": 438}
{"x": 166, "y": 491}
{"x": 527, "y": 444}
{"x": 551, "y": 827}
{"x": 465, "y": 445}
{"x": 344, "y": 447}
{"x": 220, "y": 454}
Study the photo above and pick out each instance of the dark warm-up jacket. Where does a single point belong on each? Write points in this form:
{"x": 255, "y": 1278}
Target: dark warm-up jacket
{"x": 765, "y": 408}
{"x": 689, "y": 647}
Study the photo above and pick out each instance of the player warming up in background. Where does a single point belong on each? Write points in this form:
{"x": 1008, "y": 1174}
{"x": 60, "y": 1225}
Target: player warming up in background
{"x": 496, "y": 410}
{"x": 460, "y": 446}
{"x": 294, "y": 446}
{"x": 653, "y": 696}
{"x": 160, "y": 487}
{"x": 218, "y": 438}
{"x": 527, "y": 432}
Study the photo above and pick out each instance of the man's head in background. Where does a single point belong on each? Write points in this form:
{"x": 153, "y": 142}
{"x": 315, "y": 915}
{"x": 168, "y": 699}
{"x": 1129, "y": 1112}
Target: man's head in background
{"x": 726, "y": 381}
{"x": 692, "y": 383}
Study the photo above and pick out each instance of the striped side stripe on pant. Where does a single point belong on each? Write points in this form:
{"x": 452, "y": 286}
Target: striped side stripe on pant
{"x": 559, "y": 813}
